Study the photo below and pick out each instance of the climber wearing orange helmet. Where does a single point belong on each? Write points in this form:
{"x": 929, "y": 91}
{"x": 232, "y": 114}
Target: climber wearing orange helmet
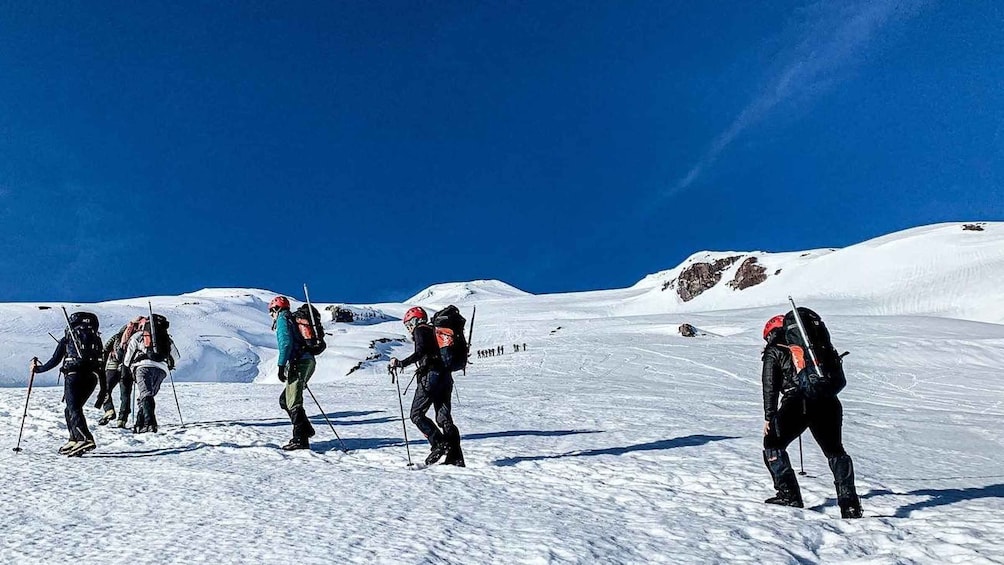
{"x": 435, "y": 387}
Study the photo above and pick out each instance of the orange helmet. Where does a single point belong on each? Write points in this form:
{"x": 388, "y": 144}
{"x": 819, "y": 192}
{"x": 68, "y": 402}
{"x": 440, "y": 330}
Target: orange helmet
{"x": 772, "y": 324}
{"x": 279, "y": 303}
{"x": 415, "y": 316}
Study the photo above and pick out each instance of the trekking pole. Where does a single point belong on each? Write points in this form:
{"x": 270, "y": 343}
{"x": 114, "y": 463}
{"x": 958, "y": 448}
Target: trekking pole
{"x": 60, "y": 374}
{"x": 170, "y": 373}
{"x": 800, "y": 463}
{"x": 323, "y": 413}
{"x": 404, "y": 427}
{"x": 31, "y": 380}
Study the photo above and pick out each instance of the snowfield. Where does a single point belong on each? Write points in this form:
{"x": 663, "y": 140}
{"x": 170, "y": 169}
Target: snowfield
{"x": 611, "y": 439}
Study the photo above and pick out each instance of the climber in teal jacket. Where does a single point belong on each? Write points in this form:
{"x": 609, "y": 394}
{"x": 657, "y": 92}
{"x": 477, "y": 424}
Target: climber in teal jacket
{"x": 296, "y": 366}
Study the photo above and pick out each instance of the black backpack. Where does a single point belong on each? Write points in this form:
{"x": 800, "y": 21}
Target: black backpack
{"x": 449, "y": 326}
{"x": 84, "y": 326}
{"x": 159, "y": 349}
{"x": 308, "y": 332}
{"x": 829, "y": 380}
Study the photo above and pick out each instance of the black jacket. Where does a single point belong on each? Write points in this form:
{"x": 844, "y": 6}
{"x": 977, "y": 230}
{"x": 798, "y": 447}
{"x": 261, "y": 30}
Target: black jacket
{"x": 778, "y": 378}
{"x": 426, "y": 353}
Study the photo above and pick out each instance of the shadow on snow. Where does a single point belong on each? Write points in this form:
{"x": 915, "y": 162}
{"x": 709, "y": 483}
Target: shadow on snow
{"x": 686, "y": 441}
{"x": 939, "y": 497}
{"x": 358, "y": 444}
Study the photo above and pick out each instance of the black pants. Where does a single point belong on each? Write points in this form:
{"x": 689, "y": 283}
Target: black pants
{"x": 77, "y": 387}
{"x": 435, "y": 390}
{"x": 824, "y": 418}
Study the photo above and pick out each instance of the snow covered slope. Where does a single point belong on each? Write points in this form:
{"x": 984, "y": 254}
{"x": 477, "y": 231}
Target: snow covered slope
{"x": 609, "y": 440}
{"x": 942, "y": 270}
{"x": 465, "y": 293}
{"x": 224, "y": 335}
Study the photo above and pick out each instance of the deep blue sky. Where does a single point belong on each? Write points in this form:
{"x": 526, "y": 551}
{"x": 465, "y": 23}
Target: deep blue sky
{"x": 373, "y": 148}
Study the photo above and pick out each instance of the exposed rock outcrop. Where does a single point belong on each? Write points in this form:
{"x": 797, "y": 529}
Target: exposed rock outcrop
{"x": 750, "y": 273}
{"x": 973, "y": 227}
{"x": 699, "y": 277}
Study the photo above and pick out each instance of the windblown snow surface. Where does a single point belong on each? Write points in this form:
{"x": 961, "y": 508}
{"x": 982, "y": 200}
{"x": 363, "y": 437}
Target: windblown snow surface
{"x": 610, "y": 439}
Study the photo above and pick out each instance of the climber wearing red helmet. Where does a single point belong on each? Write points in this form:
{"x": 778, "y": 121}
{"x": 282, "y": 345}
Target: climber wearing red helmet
{"x": 435, "y": 387}
{"x": 296, "y": 366}
{"x": 787, "y": 417}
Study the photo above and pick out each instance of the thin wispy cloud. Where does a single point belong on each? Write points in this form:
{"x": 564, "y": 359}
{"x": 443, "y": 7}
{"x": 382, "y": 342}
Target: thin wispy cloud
{"x": 831, "y": 43}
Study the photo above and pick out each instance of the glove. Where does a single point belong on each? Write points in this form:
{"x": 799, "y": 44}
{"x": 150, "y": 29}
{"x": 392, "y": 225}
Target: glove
{"x": 394, "y": 363}
{"x": 282, "y": 373}
{"x": 34, "y": 363}
{"x": 170, "y": 363}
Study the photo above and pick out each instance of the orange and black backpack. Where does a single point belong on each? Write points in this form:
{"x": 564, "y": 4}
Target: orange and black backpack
{"x": 450, "y": 327}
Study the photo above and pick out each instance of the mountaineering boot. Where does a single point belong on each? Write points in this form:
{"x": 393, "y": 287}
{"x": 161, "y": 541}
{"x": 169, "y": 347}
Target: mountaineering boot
{"x": 108, "y": 416}
{"x": 302, "y": 430}
{"x": 785, "y": 483}
{"x": 151, "y": 413}
{"x": 454, "y": 454}
{"x": 296, "y": 443}
{"x": 67, "y": 447}
{"x": 785, "y": 499}
{"x": 843, "y": 480}
{"x": 81, "y": 448}
{"x": 121, "y": 423}
{"x": 439, "y": 449}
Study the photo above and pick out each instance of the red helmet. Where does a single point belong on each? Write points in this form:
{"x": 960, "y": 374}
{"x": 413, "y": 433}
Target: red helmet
{"x": 417, "y": 314}
{"x": 773, "y": 324}
{"x": 279, "y": 303}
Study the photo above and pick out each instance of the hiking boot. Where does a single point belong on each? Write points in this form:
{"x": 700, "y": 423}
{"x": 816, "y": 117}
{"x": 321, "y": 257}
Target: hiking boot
{"x": 295, "y": 444}
{"x": 145, "y": 428}
{"x": 784, "y": 499}
{"x": 81, "y": 448}
{"x": 67, "y": 447}
{"x": 108, "y": 416}
{"x": 439, "y": 449}
{"x": 121, "y": 423}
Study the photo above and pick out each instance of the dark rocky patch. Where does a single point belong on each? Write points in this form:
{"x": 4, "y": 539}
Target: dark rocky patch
{"x": 750, "y": 273}
{"x": 699, "y": 277}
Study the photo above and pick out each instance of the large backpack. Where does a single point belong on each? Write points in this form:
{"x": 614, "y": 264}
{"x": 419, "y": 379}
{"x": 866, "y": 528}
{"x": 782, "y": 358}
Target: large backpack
{"x": 127, "y": 332}
{"x": 156, "y": 343}
{"x": 307, "y": 330}
{"x": 449, "y": 326}
{"x": 829, "y": 380}
{"x": 84, "y": 326}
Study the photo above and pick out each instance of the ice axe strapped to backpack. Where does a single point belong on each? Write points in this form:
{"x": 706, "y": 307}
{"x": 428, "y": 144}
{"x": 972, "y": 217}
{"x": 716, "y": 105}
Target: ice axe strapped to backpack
{"x": 822, "y": 374}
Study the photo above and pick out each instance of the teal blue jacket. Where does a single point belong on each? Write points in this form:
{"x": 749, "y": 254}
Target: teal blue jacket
{"x": 290, "y": 346}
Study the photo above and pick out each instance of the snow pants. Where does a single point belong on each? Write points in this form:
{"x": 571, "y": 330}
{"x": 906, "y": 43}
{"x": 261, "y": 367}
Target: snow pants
{"x": 77, "y": 388}
{"x": 291, "y": 398}
{"x": 824, "y": 418}
{"x": 435, "y": 389}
